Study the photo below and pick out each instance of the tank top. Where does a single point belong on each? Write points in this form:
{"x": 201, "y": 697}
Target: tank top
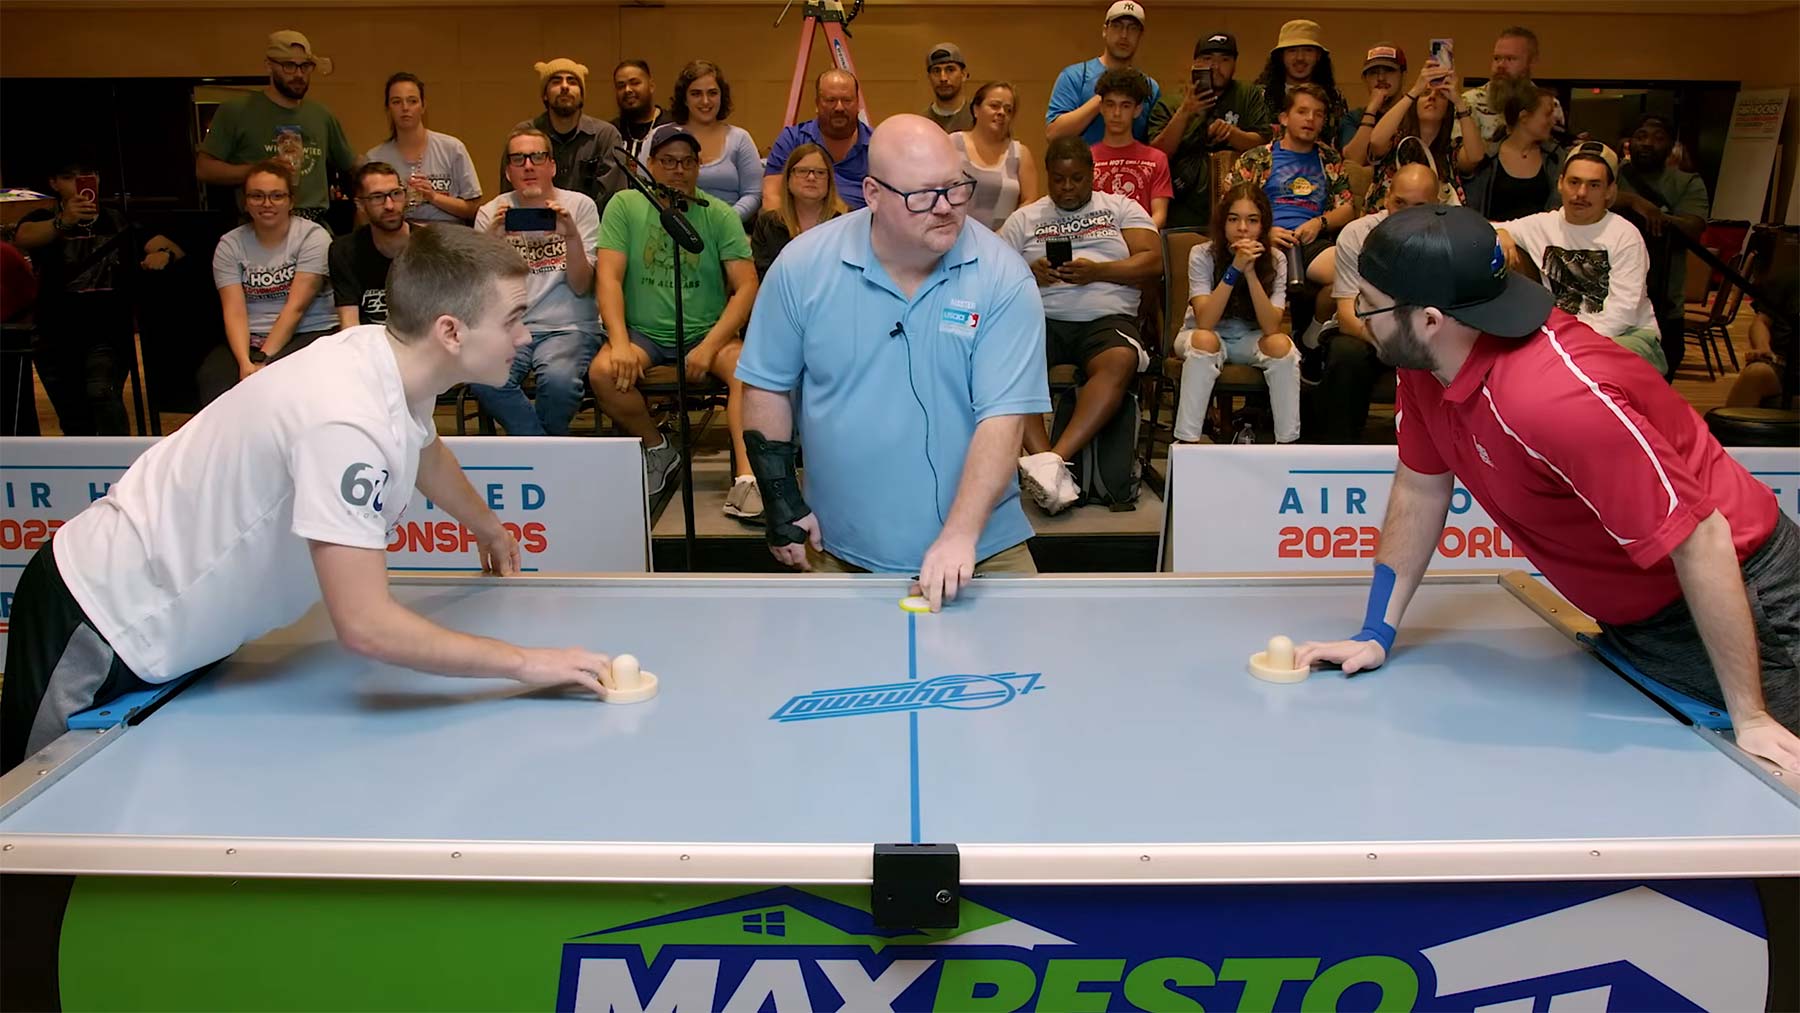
{"x": 996, "y": 190}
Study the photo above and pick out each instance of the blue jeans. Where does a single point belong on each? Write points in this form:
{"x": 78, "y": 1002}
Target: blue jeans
{"x": 558, "y": 363}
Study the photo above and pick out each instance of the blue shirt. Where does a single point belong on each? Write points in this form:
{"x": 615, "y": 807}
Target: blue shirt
{"x": 1075, "y": 85}
{"x": 887, "y": 419}
{"x": 1297, "y": 189}
{"x": 849, "y": 172}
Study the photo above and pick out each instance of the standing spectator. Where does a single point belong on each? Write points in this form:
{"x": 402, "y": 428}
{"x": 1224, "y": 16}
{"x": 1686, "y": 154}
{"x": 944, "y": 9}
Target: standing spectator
{"x": 1520, "y": 178}
{"x": 635, "y": 91}
{"x": 1236, "y": 293}
{"x": 730, "y": 168}
{"x": 1771, "y": 374}
{"x": 636, "y": 287}
{"x": 1384, "y": 71}
{"x": 1005, "y": 177}
{"x": 1419, "y": 127}
{"x": 835, "y": 128}
{"x": 1300, "y": 57}
{"x": 1592, "y": 261}
{"x": 86, "y": 259}
{"x": 18, "y": 294}
{"x": 440, "y": 180}
{"x": 359, "y": 261}
{"x": 809, "y": 198}
{"x": 1090, "y": 307}
{"x": 279, "y": 122}
{"x": 947, "y": 71}
{"x": 583, "y": 145}
{"x": 1515, "y": 60}
{"x": 271, "y": 280}
{"x": 1217, "y": 112}
{"x": 908, "y": 344}
{"x": 1074, "y": 105}
{"x": 559, "y": 293}
{"x": 1124, "y": 165}
{"x": 1662, "y": 198}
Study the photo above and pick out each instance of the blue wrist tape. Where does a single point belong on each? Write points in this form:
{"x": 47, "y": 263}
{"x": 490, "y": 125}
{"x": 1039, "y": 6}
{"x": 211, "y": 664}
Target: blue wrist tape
{"x": 1232, "y": 276}
{"x": 1375, "y": 626}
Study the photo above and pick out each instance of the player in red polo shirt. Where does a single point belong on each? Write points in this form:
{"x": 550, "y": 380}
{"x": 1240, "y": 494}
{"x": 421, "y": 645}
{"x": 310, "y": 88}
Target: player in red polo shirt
{"x": 1590, "y": 463}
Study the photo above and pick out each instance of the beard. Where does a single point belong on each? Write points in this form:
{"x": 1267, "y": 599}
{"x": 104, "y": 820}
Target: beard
{"x": 1405, "y": 350}
{"x": 295, "y": 93}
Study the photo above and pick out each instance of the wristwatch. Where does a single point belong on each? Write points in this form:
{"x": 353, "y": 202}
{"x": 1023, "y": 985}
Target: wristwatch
{"x": 258, "y": 356}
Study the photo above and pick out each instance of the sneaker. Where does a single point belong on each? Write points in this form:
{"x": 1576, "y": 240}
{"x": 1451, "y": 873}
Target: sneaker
{"x": 744, "y": 501}
{"x": 660, "y": 463}
{"x": 1046, "y": 478}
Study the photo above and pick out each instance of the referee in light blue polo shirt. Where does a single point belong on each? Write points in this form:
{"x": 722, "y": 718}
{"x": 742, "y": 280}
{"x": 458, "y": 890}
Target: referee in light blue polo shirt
{"x": 913, "y": 342}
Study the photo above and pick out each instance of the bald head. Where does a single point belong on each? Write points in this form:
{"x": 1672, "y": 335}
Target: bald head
{"x": 836, "y": 77}
{"x": 909, "y": 151}
{"x": 1413, "y": 184}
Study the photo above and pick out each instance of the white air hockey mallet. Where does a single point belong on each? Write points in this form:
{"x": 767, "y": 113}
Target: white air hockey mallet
{"x": 1276, "y": 664}
{"x": 631, "y": 683}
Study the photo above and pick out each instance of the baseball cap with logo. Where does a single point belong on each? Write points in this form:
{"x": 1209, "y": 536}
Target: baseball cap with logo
{"x": 945, "y": 52}
{"x": 1125, "y": 9}
{"x": 1449, "y": 257}
{"x": 1218, "y": 42}
{"x": 670, "y": 132}
{"x": 1385, "y": 54}
{"x": 282, "y": 46}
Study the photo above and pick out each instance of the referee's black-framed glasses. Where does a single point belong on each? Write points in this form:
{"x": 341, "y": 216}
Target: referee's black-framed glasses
{"x": 920, "y": 201}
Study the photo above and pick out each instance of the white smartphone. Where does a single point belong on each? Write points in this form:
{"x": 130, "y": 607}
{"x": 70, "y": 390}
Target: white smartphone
{"x": 1444, "y": 52}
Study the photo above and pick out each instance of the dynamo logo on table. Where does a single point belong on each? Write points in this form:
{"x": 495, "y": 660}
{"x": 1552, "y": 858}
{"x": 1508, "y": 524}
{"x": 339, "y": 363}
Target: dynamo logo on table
{"x": 946, "y": 692}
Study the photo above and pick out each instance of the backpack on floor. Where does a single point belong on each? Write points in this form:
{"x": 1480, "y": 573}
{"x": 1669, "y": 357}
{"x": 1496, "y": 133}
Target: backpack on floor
{"x": 1107, "y": 469}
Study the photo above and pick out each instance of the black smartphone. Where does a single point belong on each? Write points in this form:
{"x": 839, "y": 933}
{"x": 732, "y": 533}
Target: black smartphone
{"x": 1202, "y": 79}
{"x": 530, "y": 220}
{"x": 1058, "y": 252}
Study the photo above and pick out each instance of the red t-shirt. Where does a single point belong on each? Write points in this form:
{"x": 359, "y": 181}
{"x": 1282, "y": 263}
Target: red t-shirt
{"x": 1586, "y": 459}
{"x": 1137, "y": 171}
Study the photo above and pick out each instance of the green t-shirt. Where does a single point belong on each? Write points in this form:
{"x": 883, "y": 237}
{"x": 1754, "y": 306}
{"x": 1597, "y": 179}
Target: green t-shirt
{"x": 632, "y": 227}
{"x": 307, "y": 137}
{"x": 1686, "y": 194}
{"x": 1243, "y": 107}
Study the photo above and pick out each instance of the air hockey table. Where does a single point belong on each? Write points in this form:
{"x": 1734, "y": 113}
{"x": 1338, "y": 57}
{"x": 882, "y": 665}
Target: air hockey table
{"x": 1060, "y": 793}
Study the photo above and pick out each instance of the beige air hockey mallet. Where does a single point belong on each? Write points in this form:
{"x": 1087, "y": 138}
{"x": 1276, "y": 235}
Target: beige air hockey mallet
{"x": 631, "y": 684}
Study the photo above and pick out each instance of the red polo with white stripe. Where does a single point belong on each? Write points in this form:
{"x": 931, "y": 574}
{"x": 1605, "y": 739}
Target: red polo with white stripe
{"x": 1586, "y": 458}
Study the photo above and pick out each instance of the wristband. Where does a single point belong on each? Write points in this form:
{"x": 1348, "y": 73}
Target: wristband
{"x": 773, "y": 464}
{"x": 1375, "y": 624}
{"x": 1232, "y": 276}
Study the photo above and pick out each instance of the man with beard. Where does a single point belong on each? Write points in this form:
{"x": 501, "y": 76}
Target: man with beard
{"x": 835, "y": 128}
{"x": 1074, "y": 107}
{"x": 582, "y": 145}
{"x": 1515, "y": 59}
{"x": 1215, "y": 112}
{"x": 946, "y": 69}
{"x": 1662, "y": 197}
{"x": 635, "y": 92}
{"x": 912, "y": 340}
{"x": 280, "y": 122}
{"x": 1602, "y": 474}
{"x": 359, "y": 261}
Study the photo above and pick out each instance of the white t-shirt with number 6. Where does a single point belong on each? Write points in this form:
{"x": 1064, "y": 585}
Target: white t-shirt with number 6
{"x": 202, "y": 545}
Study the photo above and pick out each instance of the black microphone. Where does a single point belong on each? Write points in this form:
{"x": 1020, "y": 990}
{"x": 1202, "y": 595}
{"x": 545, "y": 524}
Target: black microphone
{"x": 898, "y": 331}
{"x": 669, "y": 205}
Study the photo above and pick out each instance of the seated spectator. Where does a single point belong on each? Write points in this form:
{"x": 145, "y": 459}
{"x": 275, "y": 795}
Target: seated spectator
{"x": 637, "y": 305}
{"x": 1090, "y": 306}
{"x": 1351, "y": 366}
{"x": 271, "y": 280}
{"x": 1520, "y": 177}
{"x": 1771, "y": 374}
{"x": 1217, "y": 112}
{"x": 1661, "y": 200}
{"x": 1592, "y": 261}
{"x": 1308, "y": 191}
{"x": 730, "y": 168}
{"x": 440, "y": 176}
{"x": 1384, "y": 71}
{"x": 583, "y": 145}
{"x": 634, "y": 90}
{"x": 1004, "y": 174}
{"x": 1124, "y": 165}
{"x": 87, "y": 259}
{"x": 809, "y": 197}
{"x": 360, "y": 260}
{"x": 1514, "y": 61}
{"x": 559, "y": 292}
{"x": 1236, "y": 294}
{"x": 1074, "y": 106}
{"x": 947, "y": 71}
{"x": 1299, "y": 57}
{"x": 837, "y": 129}
{"x": 1419, "y": 127}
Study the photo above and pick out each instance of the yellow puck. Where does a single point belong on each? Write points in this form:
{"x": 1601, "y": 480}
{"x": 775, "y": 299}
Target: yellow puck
{"x": 915, "y": 603}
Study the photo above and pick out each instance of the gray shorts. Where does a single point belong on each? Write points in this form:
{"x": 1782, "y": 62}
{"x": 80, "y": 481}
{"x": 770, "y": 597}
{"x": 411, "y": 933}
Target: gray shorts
{"x": 1667, "y": 646}
{"x": 659, "y": 353}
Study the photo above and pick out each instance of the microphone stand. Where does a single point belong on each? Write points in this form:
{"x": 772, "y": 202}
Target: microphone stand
{"x": 670, "y": 205}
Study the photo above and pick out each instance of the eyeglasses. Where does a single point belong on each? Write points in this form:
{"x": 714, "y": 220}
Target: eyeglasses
{"x": 921, "y": 201}
{"x": 293, "y": 67}
{"x": 378, "y": 199}
{"x": 672, "y": 163}
{"x": 521, "y": 157}
{"x": 262, "y": 197}
{"x": 812, "y": 173}
{"x": 1363, "y": 314}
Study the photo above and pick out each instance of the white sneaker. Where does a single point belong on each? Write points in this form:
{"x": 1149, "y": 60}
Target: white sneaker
{"x": 1046, "y": 478}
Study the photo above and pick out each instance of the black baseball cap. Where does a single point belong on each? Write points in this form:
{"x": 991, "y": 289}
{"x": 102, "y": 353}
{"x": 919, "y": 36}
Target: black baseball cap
{"x": 1450, "y": 258}
{"x": 1217, "y": 42}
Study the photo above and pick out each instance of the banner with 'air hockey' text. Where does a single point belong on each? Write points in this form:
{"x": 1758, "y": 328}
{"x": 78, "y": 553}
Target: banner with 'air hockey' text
{"x": 1237, "y": 509}
{"x": 575, "y": 504}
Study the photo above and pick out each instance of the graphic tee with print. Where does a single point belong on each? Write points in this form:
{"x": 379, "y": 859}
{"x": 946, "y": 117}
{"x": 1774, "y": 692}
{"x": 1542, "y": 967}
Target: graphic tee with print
{"x": 1296, "y": 187}
{"x": 267, "y": 275}
{"x": 552, "y": 304}
{"x": 1137, "y": 171}
{"x": 1095, "y": 231}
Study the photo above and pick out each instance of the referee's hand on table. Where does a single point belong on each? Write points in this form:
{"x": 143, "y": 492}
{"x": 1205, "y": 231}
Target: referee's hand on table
{"x": 565, "y": 666}
{"x": 1352, "y": 656}
{"x": 1763, "y": 736}
{"x": 948, "y": 567}
{"x": 499, "y": 551}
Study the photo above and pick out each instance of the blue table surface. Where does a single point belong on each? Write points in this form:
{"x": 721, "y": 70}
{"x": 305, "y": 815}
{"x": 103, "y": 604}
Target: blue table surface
{"x": 1142, "y": 726}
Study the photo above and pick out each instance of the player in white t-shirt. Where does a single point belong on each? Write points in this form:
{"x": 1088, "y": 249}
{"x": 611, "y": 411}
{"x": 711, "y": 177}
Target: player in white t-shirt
{"x": 281, "y": 492}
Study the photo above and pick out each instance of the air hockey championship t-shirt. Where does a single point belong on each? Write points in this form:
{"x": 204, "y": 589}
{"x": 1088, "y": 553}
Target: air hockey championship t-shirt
{"x": 1137, "y": 171}
{"x": 446, "y": 164}
{"x": 267, "y": 275}
{"x": 1095, "y": 231}
{"x": 553, "y": 305}
{"x": 1297, "y": 189}
{"x": 202, "y": 545}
